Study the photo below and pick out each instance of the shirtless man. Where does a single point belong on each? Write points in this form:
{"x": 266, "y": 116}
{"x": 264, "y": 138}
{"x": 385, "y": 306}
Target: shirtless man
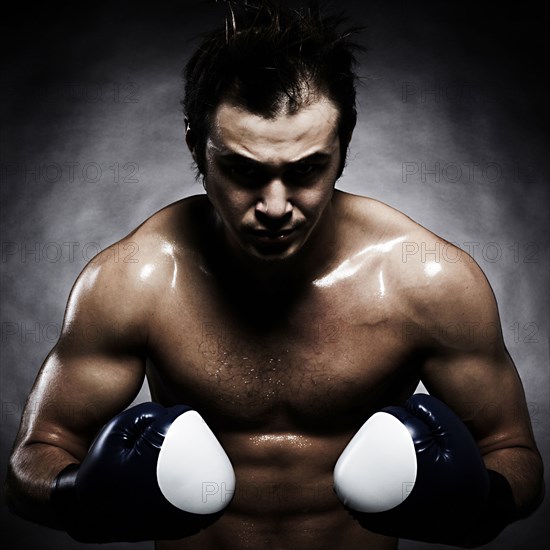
{"x": 287, "y": 313}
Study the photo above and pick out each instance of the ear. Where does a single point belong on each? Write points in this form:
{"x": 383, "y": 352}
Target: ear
{"x": 190, "y": 140}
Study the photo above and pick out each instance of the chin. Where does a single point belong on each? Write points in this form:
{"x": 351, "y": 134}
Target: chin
{"x": 272, "y": 256}
{"x": 273, "y": 253}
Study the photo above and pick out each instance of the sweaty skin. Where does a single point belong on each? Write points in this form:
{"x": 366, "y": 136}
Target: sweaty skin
{"x": 285, "y": 346}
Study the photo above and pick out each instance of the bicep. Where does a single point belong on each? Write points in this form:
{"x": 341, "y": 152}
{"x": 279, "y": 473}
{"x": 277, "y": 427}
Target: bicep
{"x": 468, "y": 365}
{"x": 483, "y": 387}
{"x": 96, "y": 368}
{"x": 75, "y": 393}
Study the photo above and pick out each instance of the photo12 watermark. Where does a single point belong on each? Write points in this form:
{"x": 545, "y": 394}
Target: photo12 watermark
{"x": 48, "y": 332}
{"x": 470, "y": 333}
{"x": 69, "y": 172}
{"x": 470, "y": 172}
{"x": 66, "y": 252}
{"x": 470, "y": 251}
{"x": 451, "y": 172}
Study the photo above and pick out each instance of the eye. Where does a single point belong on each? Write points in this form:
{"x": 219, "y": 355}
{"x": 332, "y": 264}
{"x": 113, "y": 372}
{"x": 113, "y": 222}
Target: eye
{"x": 303, "y": 169}
{"x": 243, "y": 170}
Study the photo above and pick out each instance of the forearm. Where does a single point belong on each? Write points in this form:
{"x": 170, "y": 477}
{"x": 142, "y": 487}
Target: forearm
{"x": 31, "y": 473}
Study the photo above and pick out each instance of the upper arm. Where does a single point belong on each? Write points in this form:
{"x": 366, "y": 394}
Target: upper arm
{"x": 96, "y": 368}
{"x": 468, "y": 366}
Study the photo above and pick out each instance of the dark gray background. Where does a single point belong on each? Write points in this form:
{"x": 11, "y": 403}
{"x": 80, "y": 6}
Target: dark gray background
{"x": 452, "y": 120}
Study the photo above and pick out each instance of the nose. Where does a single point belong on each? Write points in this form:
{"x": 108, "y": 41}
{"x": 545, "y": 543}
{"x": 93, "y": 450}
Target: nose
{"x": 274, "y": 206}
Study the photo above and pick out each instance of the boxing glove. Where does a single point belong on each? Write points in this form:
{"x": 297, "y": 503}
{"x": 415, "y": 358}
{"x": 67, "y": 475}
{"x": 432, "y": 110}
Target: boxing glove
{"x": 416, "y": 472}
{"x": 151, "y": 473}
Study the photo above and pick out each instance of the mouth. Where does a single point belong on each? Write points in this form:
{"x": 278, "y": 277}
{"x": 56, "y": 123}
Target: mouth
{"x": 280, "y": 235}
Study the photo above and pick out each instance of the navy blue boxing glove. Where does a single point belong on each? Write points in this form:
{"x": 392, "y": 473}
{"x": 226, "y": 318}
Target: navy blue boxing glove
{"x": 151, "y": 473}
{"x": 416, "y": 472}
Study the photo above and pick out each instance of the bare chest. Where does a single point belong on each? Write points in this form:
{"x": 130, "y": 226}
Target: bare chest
{"x": 283, "y": 362}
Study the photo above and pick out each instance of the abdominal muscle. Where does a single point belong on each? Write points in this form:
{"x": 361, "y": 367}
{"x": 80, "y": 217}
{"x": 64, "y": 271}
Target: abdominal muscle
{"x": 283, "y": 498}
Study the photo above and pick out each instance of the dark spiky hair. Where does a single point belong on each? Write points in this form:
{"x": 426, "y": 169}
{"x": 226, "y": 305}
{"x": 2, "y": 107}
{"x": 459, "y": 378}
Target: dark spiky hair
{"x": 269, "y": 60}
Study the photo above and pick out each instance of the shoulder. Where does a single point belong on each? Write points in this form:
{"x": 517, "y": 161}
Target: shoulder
{"x": 433, "y": 281}
{"x": 447, "y": 292}
{"x": 124, "y": 280}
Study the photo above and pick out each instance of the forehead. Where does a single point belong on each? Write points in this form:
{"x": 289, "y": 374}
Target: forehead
{"x": 283, "y": 138}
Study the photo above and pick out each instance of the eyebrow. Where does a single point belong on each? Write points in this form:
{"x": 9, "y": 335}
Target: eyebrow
{"x": 231, "y": 156}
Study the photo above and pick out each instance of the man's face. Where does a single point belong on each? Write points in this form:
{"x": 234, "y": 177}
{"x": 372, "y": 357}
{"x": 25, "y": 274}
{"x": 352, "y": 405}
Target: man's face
{"x": 270, "y": 180}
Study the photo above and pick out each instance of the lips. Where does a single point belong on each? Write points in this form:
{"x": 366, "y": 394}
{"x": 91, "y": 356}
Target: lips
{"x": 273, "y": 236}
{"x": 280, "y": 233}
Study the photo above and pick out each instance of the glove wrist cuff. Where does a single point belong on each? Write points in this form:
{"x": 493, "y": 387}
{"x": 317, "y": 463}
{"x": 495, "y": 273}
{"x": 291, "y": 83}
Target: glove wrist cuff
{"x": 501, "y": 505}
{"x": 500, "y": 510}
{"x": 63, "y": 494}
